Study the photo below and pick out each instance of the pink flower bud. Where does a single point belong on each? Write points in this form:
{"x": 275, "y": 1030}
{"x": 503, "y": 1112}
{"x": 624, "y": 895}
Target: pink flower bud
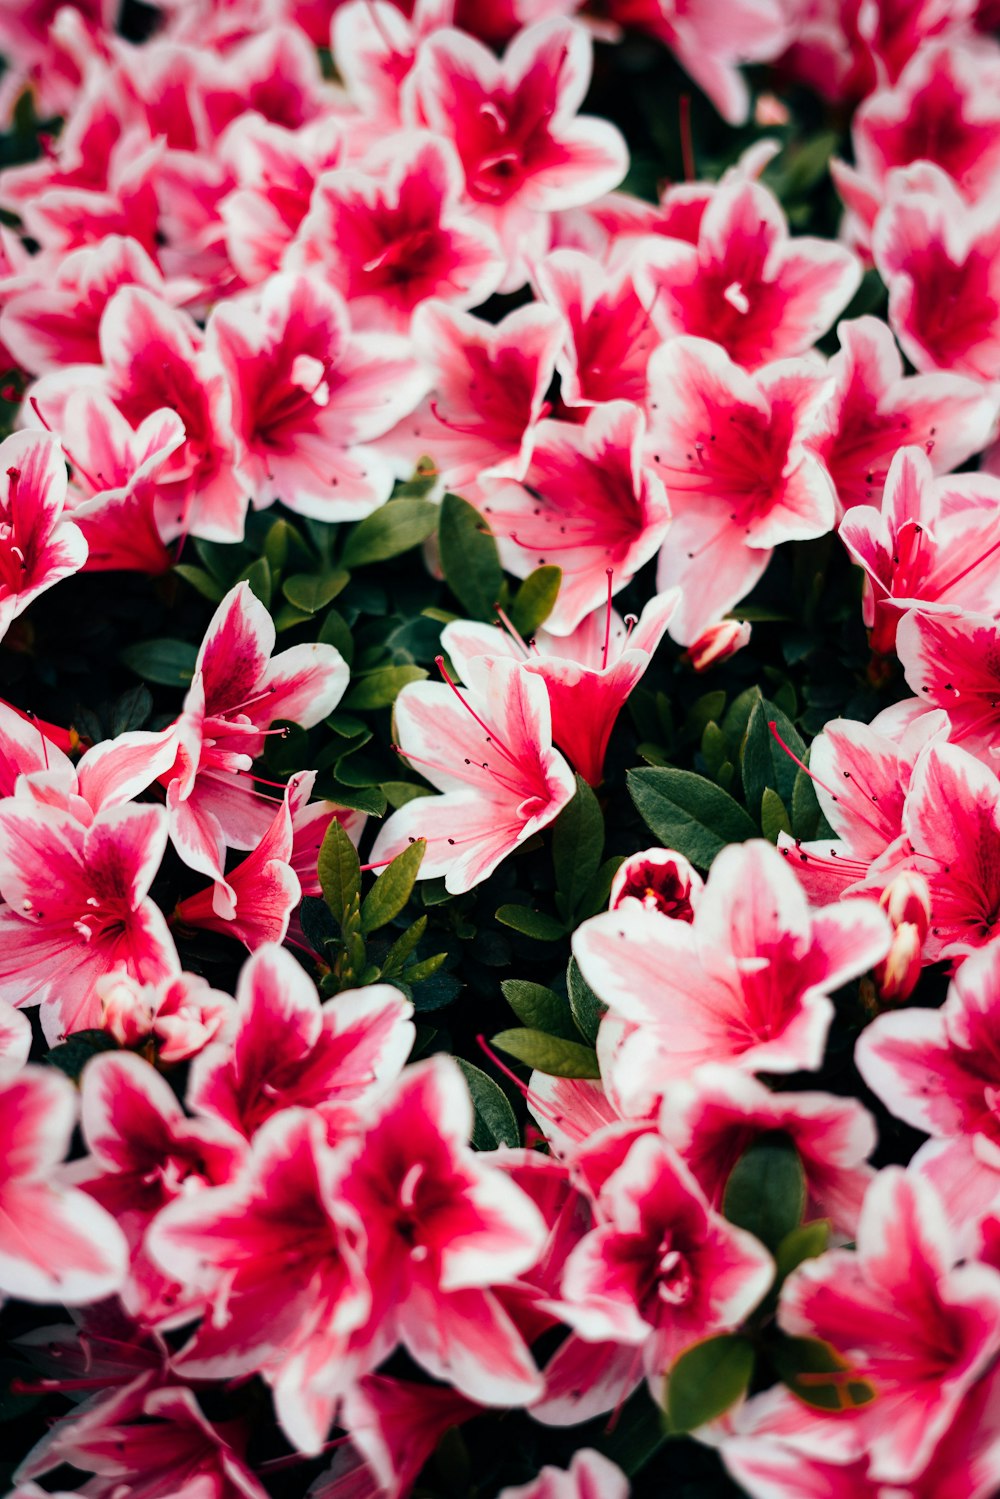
{"x": 660, "y": 880}
{"x": 718, "y": 642}
{"x": 770, "y": 110}
{"x": 126, "y": 1009}
{"x": 896, "y": 976}
{"x": 907, "y": 901}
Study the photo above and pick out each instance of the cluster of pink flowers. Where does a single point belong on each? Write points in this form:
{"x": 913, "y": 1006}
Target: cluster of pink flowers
{"x": 237, "y": 284}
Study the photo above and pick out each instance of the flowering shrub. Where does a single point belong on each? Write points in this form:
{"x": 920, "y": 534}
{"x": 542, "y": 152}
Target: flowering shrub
{"x": 499, "y": 797}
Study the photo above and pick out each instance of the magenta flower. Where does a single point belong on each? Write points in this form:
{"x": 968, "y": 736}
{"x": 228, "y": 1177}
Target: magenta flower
{"x": 952, "y": 661}
{"x": 56, "y": 1244}
{"x": 589, "y": 1476}
{"x": 39, "y": 545}
{"x": 759, "y": 294}
{"x": 920, "y": 1327}
{"x": 284, "y": 1049}
{"x": 610, "y": 336}
{"x": 729, "y": 447}
{"x": 487, "y": 749}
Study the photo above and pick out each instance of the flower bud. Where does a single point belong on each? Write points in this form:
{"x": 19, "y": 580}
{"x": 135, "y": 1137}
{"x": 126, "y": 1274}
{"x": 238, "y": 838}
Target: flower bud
{"x": 718, "y": 642}
{"x": 660, "y": 880}
{"x": 908, "y": 900}
{"x": 126, "y": 1009}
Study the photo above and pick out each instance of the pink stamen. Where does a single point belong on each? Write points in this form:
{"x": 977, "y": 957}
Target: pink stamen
{"x": 815, "y": 778}
{"x": 529, "y": 1096}
{"x": 514, "y": 634}
{"x": 491, "y": 737}
{"x": 607, "y": 623}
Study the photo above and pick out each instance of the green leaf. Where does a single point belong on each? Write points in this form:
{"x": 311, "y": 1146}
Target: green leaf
{"x": 169, "y": 663}
{"x": 334, "y": 631}
{"x": 359, "y": 798}
{"x": 310, "y": 592}
{"x": 819, "y": 1375}
{"x": 398, "y": 793}
{"x": 496, "y": 1123}
{"x": 393, "y": 888}
{"x": 764, "y": 763}
{"x": 339, "y": 870}
{"x": 766, "y": 1190}
{"x": 806, "y": 1242}
{"x": 258, "y": 575}
{"x": 535, "y": 600}
{"x": 380, "y": 688}
{"x": 532, "y": 923}
{"x": 587, "y": 1010}
{"x": 201, "y": 581}
{"x": 131, "y": 710}
{"x": 538, "y": 1008}
{"x": 469, "y": 558}
{"x": 577, "y": 845}
{"x": 636, "y": 1436}
{"x": 806, "y": 814}
{"x": 74, "y": 1053}
{"x": 707, "y": 1379}
{"x": 688, "y": 813}
{"x": 220, "y": 558}
{"x": 390, "y": 531}
{"x": 549, "y": 1054}
{"x": 774, "y": 819}
{"x": 595, "y": 897}
{"x": 425, "y": 970}
{"x": 402, "y": 948}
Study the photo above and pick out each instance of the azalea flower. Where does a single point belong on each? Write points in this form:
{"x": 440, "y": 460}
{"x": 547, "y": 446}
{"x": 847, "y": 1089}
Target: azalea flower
{"x": 39, "y": 545}
{"x": 588, "y": 1475}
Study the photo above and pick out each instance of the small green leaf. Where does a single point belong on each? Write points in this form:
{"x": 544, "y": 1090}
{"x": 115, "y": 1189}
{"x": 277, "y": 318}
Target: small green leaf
{"x": 398, "y": 793}
{"x": 688, "y": 813}
{"x": 587, "y": 1010}
{"x": 766, "y": 1190}
{"x": 774, "y": 819}
{"x": 390, "y": 531}
{"x": 577, "y": 845}
{"x": 359, "y": 798}
{"x": 258, "y": 575}
{"x": 807, "y": 817}
{"x": 707, "y": 1379}
{"x": 380, "y": 688}
{"x": 393, "y": 888}
{"x": 402, "y": 948}
{"x": 310, "y": 592}
{"x": 549, "y": 1054}
{"x": 819, "y": 1375}
{"x": 169, "y": 663}
{"x": 535, "y": 600}
{"x": 532, "y": 923}
{"x": 806, "y": 1242}
{"x": 496, "y": 1123}
{"x": 539, "y": 1008}
{"x": 339, "y": 870}
{"x": 425, "y": 970}
{"x": 201, "y": 581}
{"x": 469, "y": 558}
{"x": 131, "y": 710}
{"x": 334, "y": 631}
{"x": 73, "y": 1054}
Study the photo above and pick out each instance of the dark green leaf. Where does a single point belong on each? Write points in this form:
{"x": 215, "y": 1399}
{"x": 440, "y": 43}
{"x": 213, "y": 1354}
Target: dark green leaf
{"x": 401, "y": 949}
{"x": 73, "y": 1054}
{"x": 379, "y": 689}
{"x": 393, "y": 888}
{"x": 359, "y": 799}
{"x": 398, "y": 793}
{"x": 707, "y": 1379}
{"x": 636, "y": 1436}
{"x": 258, "y": 575}
{"x": 334, "y": 631}
{"x": 390, "y": 531}
{"x": 764, "y": 763}
{"x": 310, "y": 592}
{"x": 532, "y": 923}
{"x": 595, "y": 897}
{"x": 201, "y": 581}
{"x": 495, "y": 1123}
{"x": 319, "y": 926}
{"x": 806, "y": 1242}
{"x": 688, "y": 813}
{"x": 469, "y": 558}
{"x": 539, "y": 1008}
{"x": 766, "y": 1190}
{"x": 774, "y": 819}
{"x": 586, "y": 1008}
{"x": 535, "y": 600}
{"x": 806, "y": 815}
{"x": 549, "y": 1054}
{"x": 170, "y": 663}
{"x": 819, "y": 1375}
{"x": 339, "y": 870}
{"x": 577, "y": 845}
{"x": 131, "y": 710}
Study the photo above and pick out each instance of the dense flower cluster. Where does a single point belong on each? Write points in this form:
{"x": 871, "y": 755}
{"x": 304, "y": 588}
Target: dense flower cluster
{"x": 289, "y": 291}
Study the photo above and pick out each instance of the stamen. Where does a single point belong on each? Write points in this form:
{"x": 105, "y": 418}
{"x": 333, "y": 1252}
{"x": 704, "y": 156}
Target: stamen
{"x": 815, "y": 778}
{"x": 610, "y": 572}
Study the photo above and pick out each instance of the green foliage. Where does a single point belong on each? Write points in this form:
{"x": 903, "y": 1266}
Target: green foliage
{"x": 707, "y": 1379}
{"x": 550, "y": 1054}
{"x": 495, "y": 1122}
{"x": 469, "y": 558}
{"x": 766, "y": 1190}
{"x": 688, "y": 813}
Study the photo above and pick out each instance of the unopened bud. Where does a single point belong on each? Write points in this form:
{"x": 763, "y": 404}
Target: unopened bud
{"x": 896, "y": 976}
{"x": 718, "y": 642}
{"x": 770, "y": 110}
{"x": 126, "y": 1009}
{"x": 660, "y": 880}
{"x": 907, "y": 901}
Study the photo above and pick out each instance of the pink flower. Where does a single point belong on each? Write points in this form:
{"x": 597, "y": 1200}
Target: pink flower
{"x": 524, "y": 149}
{"x": 661, "y": 1269}
{"x": 56, "y": 1245}
{"x": 285, "y": 1050}
{"x": 144, "y": 1154}
{"x": 489, "y": 381}
{"x": 151, "y": 1442}
{"x": 659, "y": 880}
{"x": 78, "y": 907}
{"x": 277, "y": 1257}
{"x": 307, "y": 393}
{"x": 935, "y": 253}
{"x": 729, "y": 448}
{"x": 588, "y": 674}
{"x": 237, "y": 692}
{"x": 585, "y": 502}
{"x": 933, "y": 542}
{"x": 711, "y": 1119}
{"x": 759, "y": 294}
{"x": 488, "y": 750}
{"x": 15, "y": 1040}
{"x": 374, "y": 45}
{"x": 182, "y": 1015}
{"x": 922, "y": 1329}
{"x": 444, "y": 1227}
{"x": 38, "y": 545}
{"x": 746, "y": 983}
{"x": 871, "y": 409}
{"x": 589, "y": 1476}
{"x": 609, "y": 333}
{"x": 393, "y": 231}
{"x": 951, "y": 660}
